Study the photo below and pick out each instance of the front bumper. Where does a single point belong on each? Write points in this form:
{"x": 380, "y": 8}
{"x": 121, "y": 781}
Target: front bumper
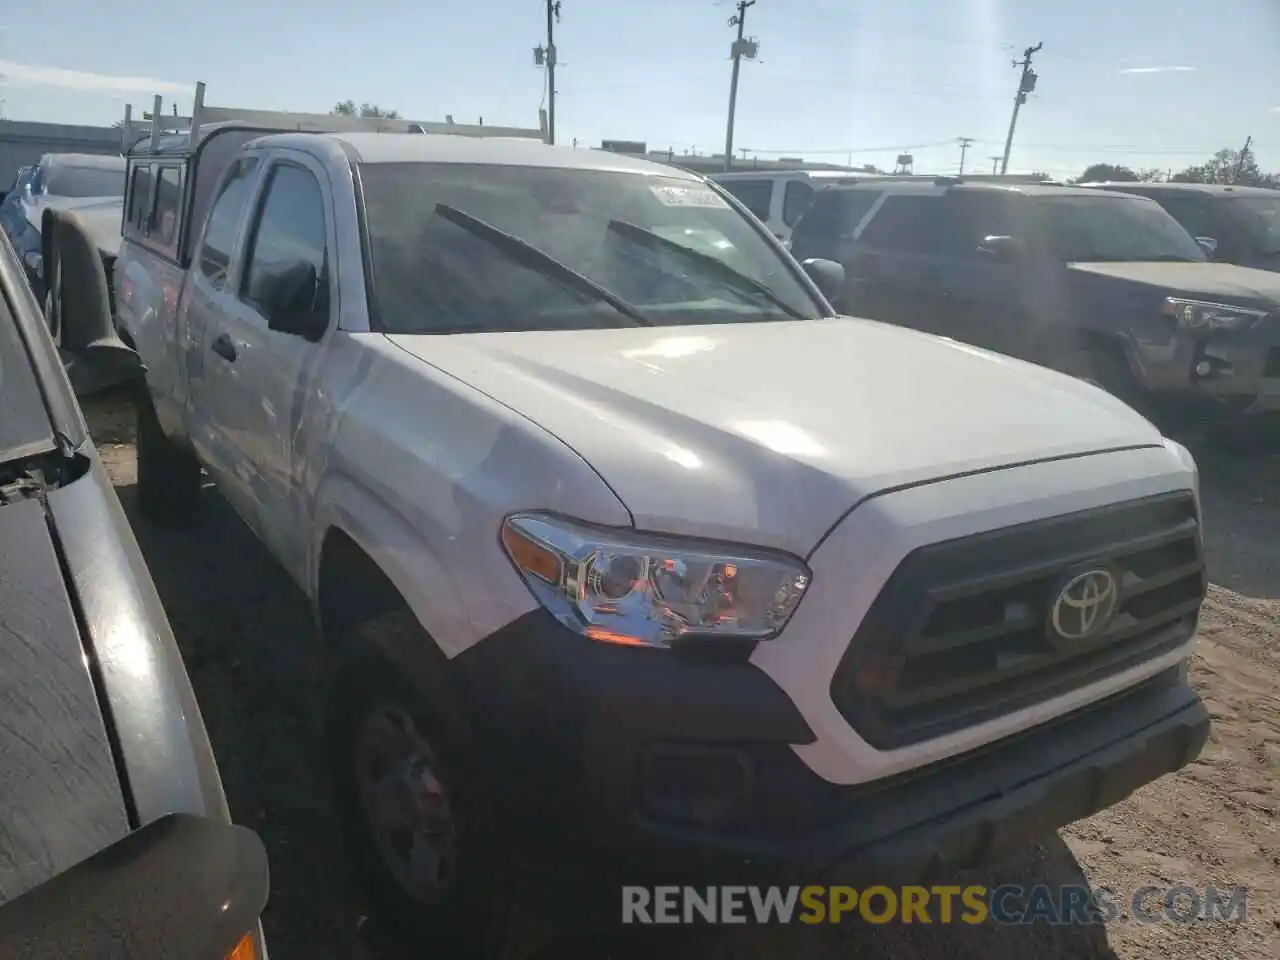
{"x": 648, "y": 769}
{"x": 1234, "y": 373}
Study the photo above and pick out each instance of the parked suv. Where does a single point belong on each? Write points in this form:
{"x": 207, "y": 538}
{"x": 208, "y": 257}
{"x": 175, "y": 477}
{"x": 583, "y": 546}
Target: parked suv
{"x": 1103, "y": 286}
{"x": 1238, "y": 225}
{"x": 779, "y": 198}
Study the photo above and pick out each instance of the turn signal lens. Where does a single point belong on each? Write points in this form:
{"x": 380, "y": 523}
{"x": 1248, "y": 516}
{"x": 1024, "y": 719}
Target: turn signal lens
{"x": 244, "y": 949}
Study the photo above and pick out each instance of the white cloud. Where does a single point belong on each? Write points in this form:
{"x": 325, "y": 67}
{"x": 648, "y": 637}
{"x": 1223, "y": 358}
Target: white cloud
{"x": 27, "y": 74}
{"x": 1157, "y": 70}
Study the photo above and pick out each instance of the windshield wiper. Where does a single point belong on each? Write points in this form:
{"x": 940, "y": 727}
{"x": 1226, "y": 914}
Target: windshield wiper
{"x": 531, "y": 257}
{"x": 710, "y": 265}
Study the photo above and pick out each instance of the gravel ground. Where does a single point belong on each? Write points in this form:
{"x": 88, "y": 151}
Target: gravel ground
{"x": 244, "y": 630}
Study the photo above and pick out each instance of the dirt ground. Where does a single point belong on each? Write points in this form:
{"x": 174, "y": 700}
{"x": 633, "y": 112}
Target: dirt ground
{"x": 244, "y": 630}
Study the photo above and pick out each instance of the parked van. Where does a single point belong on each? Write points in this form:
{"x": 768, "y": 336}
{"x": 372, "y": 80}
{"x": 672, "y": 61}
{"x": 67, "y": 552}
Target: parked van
{"x": 779, "y": 198}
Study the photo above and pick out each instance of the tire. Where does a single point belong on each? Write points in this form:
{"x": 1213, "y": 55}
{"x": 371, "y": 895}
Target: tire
{"x": 390, "y": 762}
{"x": 53, "y": 300}
{"x": 168, "y": 475}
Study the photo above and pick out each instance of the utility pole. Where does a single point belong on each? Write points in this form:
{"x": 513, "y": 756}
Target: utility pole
{"x": 964, "y": 148}
{"x": 1244, "y": 155}
{"x": 741, "y": 47}
{"x": 995, "y": 165}
{"x": 1026, "y": 84}
{"x": 546, "y": 56}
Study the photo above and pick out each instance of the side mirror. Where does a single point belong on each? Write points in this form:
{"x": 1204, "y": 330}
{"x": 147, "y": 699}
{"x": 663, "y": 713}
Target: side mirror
{"x": 1003, "y": 249}
{"x": 181, "y": 887}
{"x": 294, "y": 298}
{"x": 827, "y": 275}
{"x": 1210, "y": 244}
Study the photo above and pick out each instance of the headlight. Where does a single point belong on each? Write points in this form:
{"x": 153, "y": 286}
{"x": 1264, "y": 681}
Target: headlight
{"x": 641, "y": 590}
{"x": 1201, "y": 315}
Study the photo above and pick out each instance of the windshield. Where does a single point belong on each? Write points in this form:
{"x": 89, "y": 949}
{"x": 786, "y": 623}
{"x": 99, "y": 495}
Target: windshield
{"x": 432, "y": 275}
{"x": 1259, "y": 218}
{"x": 65, "y": 180}
{"x": 1113, "y": 229}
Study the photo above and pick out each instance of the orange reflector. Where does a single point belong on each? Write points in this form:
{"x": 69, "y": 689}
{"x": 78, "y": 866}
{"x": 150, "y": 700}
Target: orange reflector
{"x": 244, "y": 949}
{"x": 609, "y": 636}
{"x": 530, "y": 556}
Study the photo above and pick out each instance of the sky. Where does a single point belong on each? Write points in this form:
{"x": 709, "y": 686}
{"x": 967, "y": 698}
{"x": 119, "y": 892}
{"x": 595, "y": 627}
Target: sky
{"x": 1144, "y": 83}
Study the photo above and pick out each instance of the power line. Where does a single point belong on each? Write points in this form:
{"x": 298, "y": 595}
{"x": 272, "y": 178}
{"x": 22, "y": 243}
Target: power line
{"x": 741, "y": 47}
{"x": 1026, "y": 84}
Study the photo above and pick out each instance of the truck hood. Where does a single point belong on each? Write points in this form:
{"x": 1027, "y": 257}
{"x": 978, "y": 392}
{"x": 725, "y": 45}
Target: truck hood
{"x": 101, "y": 217}
{"x": 1223, "y": 282}
{"x": 63, "y": 800}
{"x": 768, "y": 433}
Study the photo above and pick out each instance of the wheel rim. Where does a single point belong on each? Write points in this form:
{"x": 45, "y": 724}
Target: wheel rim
{"x": 405, "y": 804}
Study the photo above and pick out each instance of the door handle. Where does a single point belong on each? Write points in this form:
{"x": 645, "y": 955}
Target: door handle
{"x": 224, "y": 348}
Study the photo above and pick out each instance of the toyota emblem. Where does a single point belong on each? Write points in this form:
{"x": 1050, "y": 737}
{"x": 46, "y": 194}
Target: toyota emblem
{"x": 1085, "y": 605}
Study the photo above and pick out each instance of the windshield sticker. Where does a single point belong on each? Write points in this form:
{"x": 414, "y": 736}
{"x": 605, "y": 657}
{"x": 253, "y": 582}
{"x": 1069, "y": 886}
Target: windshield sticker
{"x": 694, "y": 196}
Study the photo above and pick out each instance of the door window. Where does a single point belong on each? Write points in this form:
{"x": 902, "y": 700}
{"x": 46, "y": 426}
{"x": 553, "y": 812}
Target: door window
{"x": 906, "y": 224}
{"x": 290, "y": 231}
{"x": 756, "y": 195}
{"x": 1194, "y": 215}
{"x": 975, "y": 215}
{"x": 164, "y": 219}
{"x": 224, "y": 220}
{"x": 795, "y": 201}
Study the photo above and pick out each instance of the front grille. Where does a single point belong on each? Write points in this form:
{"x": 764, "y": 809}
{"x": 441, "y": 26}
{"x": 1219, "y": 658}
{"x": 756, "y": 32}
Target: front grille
{"x": 960, "y": 634}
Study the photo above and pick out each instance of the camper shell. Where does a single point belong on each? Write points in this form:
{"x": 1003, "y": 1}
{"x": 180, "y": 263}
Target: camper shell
{"x": 173, "y": 169}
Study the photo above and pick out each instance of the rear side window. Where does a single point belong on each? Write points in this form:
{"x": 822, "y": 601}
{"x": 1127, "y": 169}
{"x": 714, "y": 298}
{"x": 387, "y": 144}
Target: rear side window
{"x": 795, "y": 201}
{"x": 834, "y": 213}
{"x": 754, "y": 194}
{"x": 224, "y": 220}
{"x": 905, "y": 224}
{"x": 140, "y": 195}
{"x": 164, "y": 221}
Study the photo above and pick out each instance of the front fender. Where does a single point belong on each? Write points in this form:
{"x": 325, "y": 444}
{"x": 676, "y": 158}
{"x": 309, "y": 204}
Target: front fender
{"x": 388, "y": 538}
{"x": 421, "y": 471}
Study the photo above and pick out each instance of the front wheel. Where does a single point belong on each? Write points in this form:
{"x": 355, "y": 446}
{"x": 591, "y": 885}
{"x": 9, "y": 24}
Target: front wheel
{"x": 412, "y": 827}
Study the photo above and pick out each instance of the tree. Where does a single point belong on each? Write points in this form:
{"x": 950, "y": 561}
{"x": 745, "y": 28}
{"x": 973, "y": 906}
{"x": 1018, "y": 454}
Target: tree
{"x": 1108, "y": 172}
{"x": 1228, "y": 166}
{"x": 348, "y": 108}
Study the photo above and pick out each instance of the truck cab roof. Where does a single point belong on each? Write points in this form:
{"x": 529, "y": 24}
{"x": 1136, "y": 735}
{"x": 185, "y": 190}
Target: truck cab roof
{"x": 445, "y": 148}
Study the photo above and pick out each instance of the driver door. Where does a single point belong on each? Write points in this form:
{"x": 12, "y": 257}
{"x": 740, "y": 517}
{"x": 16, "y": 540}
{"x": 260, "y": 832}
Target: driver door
{"x": 289, "y": 225}
{"x": 990, "y": 302}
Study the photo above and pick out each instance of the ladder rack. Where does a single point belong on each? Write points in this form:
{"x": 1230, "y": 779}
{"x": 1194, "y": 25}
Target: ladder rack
{"x": 203, "y": 115}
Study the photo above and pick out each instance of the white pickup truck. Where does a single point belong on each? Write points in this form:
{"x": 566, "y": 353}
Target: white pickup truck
{"x": 635, "y": 554}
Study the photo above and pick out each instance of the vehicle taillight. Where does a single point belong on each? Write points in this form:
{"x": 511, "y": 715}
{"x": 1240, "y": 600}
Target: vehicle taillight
{"x": 244, "y": 949}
